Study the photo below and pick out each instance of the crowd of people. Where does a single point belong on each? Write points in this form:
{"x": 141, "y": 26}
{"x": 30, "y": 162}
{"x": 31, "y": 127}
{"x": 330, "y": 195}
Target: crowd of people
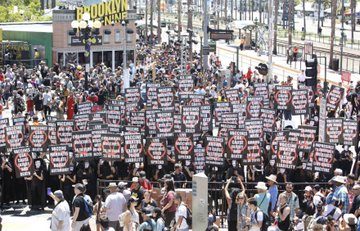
{"x": 46, "y": 94}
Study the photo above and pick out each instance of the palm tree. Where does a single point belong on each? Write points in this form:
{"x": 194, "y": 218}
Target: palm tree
{"x": 276, "y": 4}
{"x": 332, "y": 35}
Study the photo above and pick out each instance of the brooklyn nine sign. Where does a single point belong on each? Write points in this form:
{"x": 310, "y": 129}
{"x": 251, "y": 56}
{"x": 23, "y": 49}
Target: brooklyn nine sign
{"x": 107, "y": 12}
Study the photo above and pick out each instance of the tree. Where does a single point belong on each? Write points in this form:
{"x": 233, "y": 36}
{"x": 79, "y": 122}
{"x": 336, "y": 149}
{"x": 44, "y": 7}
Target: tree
{"x": 276, "y": 4}
{"x": 332, "y": 34}
{"x": 28, "y": 10}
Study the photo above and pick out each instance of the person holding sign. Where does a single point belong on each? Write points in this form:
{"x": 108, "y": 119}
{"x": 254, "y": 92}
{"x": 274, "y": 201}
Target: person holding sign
{"x": 37, "y": 186}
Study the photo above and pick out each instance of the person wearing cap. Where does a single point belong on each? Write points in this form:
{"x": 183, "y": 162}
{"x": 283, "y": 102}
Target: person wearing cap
{"x": 148, "y": 222}
{"x": 80, "y": 217}
{"x": 273, "y": 190}
{"x": 292, "y": 199}
{"x": 262, "y": 197}
{"x": 307, "y": 204}
{"x": 129, "y": 220}
{"x": 137, "y": 190}
{"x": 341, "y": 197}
{"x": 145, "y": 183}
{"x": 115, "y": 204}
{"x": 123, "y": 188}
{"x": 60, "y": 217}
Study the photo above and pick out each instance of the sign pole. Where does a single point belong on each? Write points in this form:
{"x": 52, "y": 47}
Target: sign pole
{"x": 206, "y": 39}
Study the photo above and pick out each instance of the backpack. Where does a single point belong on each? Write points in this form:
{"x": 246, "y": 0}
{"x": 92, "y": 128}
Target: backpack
{"x": 88, "y": 208}
{"x": 265, "y": 223}
{"x": 188, "y": 216}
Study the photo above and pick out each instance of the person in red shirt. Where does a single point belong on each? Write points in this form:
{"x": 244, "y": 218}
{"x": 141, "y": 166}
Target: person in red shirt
{"x": 70, "y": 106}
{"x": 93, "y": 98}
{"x": 145, "y": 183}
{"x": 30, "y": 106}
{"x": 249, "y": 74}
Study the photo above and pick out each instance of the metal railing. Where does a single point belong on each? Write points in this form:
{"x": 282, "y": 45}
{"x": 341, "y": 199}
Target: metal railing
{"x": 28, "y": 63}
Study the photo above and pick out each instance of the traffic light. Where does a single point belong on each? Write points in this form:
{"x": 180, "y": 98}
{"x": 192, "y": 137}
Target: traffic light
{"x": 311, "y": 71}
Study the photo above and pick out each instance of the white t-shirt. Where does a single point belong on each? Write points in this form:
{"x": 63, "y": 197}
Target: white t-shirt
{"x": 256, "y": 219}
{"x": 47, "y": 98}
{"x": 61, "y": 213}
{"x": 182, "y": 211}
{"x": 114, "y": 204}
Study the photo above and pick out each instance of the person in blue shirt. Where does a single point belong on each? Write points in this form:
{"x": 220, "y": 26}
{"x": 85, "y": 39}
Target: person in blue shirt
{"x": 148, "y": 222}
{"x": 273, "y": 190}
{"x": 262, "y": 197}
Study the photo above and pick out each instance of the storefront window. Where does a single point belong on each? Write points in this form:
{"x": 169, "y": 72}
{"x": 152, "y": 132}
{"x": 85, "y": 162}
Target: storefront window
{"x": 107, "y": 58}
{"x": 117, "y": 36}
{"x": 97, "y": 58}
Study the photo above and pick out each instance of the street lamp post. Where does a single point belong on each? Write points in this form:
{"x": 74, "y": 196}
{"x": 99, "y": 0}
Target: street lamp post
{"x": 126, "y": 76}
{"x": 342, "y": 34}
{"x": 87, "y": 31}
{"x": 256, "y": 31}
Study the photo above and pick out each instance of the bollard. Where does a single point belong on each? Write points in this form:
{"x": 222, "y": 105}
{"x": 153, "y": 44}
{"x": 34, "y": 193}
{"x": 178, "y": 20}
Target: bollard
{"x": 200, "y": 202}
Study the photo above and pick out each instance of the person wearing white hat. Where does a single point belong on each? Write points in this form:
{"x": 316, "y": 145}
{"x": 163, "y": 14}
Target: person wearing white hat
{"x": 307, "y": 204}
{"x": 115, "y": 204}
{"x": 348, "y": 222}
{"x": 341, "y": 194}
{"x": 262, "y": 197}
{"x": 273, "y": 190}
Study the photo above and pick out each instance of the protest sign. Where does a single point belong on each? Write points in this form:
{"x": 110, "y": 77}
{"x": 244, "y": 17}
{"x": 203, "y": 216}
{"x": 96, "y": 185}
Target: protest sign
{"x": 23, "y": 161}
{"x": 81, "y": 122}
{"x": 96, "y": 141}
{"x": 269, "y": 118}
{"x": 278, "y": 136}
{"x": 232, "y": 95}
{"x": 64, "y": 130}
{"x": 14, "y": 137}
{"x": 220, "y": 108}
{"x": 190, "y": 119}
{"x": 299, "y": 102}
{"x": 184, "y": 146}
{"x": 334, "y": 97}
{"x": 84, "y": 108}
{"x": 150, "y": 122}
{"x": 59, "y": 160}
{"x": 293, "y": 136}
{"x": 287, "y": 156}
{"x": 82, "y": 145}
{"x": 262, "y": 89}
{"x": 253, "y": 106}
{"x": 177, "y": 123}
{"x": 52, "y": 133}
{"x": 230, "y": 118}
{"x": 350, "y": 132}
{"x": 138, "y": 119}
{"x": 111, "y": 146}
{"x": 113, "y": 117}
{"x": 19, "y": 120}
{"x": 214, "y": 150}
{"x": 255, "y": 128}
{"x": 94, "y": 125}
{"x": 225, "y": 128}
{"x": 199, "y": 159}
{"x": 205, "y": 118}
{"x": 38, "y": 138}
{"x": 307, "y": 137}
{"x": 164, "y": 124}
{"x": 3, "y": 124}
{"x": 131, "y": 130}
{"x": 253, "y": 154}
{"x": 322, "y": 156}
{"x": 236, "y": 146}
{"x": 156, "y": 151}
{"x": 165, "y": 98}
{"x": 310, "y": 94}
{"x": 99, "y": 116}
{"x": 151, "y": 95}
{"x": 282, "y": 97}
{"x": 133, "y": 148}
{"x": 194, "y": 99}
{"x": 186, "y": 86}
{"x": 334, "y": 130}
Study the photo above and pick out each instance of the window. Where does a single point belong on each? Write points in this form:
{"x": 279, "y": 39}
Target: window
{"x": 106, "y": 37}
{"x": 128, "y": 37}
{"x": 117, "y": 36}
{"x": 69, "y": 37}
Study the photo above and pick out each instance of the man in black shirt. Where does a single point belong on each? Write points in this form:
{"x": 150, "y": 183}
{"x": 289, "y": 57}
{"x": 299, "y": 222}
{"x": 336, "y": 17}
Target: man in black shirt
{"x": 355, "y": 208}
{"x": 80, "y": 216}
{"x": 179, "y": 177}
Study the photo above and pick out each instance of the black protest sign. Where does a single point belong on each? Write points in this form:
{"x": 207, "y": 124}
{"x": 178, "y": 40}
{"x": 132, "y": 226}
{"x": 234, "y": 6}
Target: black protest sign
{"x": 293, "y": 136}
{"x": 3, "y": 124}
{"x": 94, "y": 125}
{"x": 322, "y": 156}
{"x": 116, "y": 105}
{"x": 164, "y": 124}
{"x": 184, "y": 146}
{"x": 334, "y": 130}
{"x": 99, "y": 116}
{"x": 350, "y": 132}
{"x": 151, "y": 95}
{"x": 205, "y": 118}
{"x": 230, "y": 118}
{"x": 64, "y": 130}
{"x": 82, "y": 145}
{"x": 96, "y": 141}
{"x": 214, "y": 150}
{"x": 334, "y": 97}
{"x": 236, "y": 146}
{"x": 310, "y": 94}
{"x": 299, "y": 102}
{"x": 156, "y": 151}
{"x": 190, "y": 119}
{"x": 14, "y": 137}
{"x": 282, "y": 97}
{"x": 232, "y": 95}
{"x": 138, "y": 119}
{"x": 255, "y": 128}
{"x": 269, "y": 118}
{"x": 113, "y": 117}
{"x": 225, "y": 128}
{"x": 165, "y": 98}
{"x": 199, "y": 159}
{"x": 262, "y": 89}
{"x": 150, "y": 122}
{"x": 195, "y": 100}
{"x": 59, "y": 160}
{"x": 253, "y": 106}
{"x": 287, "y": 155}
{"x": 23, "y": 161}
{"x": 253, "y": 155}
{"x": 20, "y": 120}
{"x": 132, "y": 95}
{"x": 111, "y": 146}
{"x": 220, "y": 108}
{"x": 39, "y": 138}
{"x": 307, "y": 137}
{"x": 133, "y": 148}
{"x": 240, "y": 108}
{"x": 186, "y": 86}
{"x": 130, "y": 107}
{"x": 81, "y": 122}
{"x": 52, "y": 135}
{"x": 131, "y": 130}
{"x": 280, "y": 136}
{"x": 177, "y": 123}
{"x": 84, "y": 108}
{"x": 114, "y": 128}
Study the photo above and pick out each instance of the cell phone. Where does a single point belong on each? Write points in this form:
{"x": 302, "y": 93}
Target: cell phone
{"x": 49, "y": 191}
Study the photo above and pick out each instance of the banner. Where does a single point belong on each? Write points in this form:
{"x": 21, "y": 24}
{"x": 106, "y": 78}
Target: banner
{"x": 232, "y": 95}
{"x": 350, "y": 132}
{"x": 236, "y": 146}
{"x": 64, "y": 130}
{"x": 253, "y": 106}
{"x": 307, "y": 137}
{"x": 269, "y": 118}
{"x": 214, "y": 150}
{"x": 322, "y": 157}
{"x": 84, "y": 108}
{"x": 165, "y": 98}
{"x": 23, "y": 161}
{"x": 334, "y": 97}
{"x": 334, "y": 130}
{"x": 59, "y": 160}
{"x": 220, "y": 108}
{"x": 81, "y": 122}
{"x": 14, "y": 137}
{"x": 3, "y": 124}
{"x": 82, "y": 145}
{"x": 164, "y": 124}
{"x": 199, "y": 159}
{"x": 190, "y": 119}
{"x": 287, "y": 156}
{"x": 205, "y": 118}
{"x": 38, "y": 138}
{"x": 255, "y": 129}
{"x": 253, "y": 155}
{"x": 299, "y": 102}
{"x": 184, "y": 146}
{"x": 156, "y": 151}
{"x": 111, "y": 146}
{"x": 133, "y": 148}
{"x": 282, "y": 97}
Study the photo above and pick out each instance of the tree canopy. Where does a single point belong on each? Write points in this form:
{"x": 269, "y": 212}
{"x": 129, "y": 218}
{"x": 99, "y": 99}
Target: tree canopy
{"x": 21, "y": 10}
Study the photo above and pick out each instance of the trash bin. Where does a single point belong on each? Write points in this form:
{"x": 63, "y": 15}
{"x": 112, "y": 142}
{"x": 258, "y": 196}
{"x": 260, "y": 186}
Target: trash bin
{"x": 335, "y": 65}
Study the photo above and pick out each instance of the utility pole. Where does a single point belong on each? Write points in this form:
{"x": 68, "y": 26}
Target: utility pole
{"x": 151, "y": 22}
{"x": 206, "y": 40}
{"x": 232, "y": 10}
{"x": 318, "y": 15}
{"x": 146, "y": 21}
{"x": 342, "y": 34}
{"x": 159, "y": 22}
{"x": 179, "y": 19}
{"x": 190, "y": 27}
{"x": 271, "y": 37}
